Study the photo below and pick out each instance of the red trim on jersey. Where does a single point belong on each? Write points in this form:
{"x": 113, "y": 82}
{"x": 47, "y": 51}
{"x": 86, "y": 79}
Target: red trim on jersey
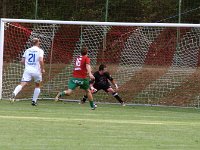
{"x": 80, "y": 70}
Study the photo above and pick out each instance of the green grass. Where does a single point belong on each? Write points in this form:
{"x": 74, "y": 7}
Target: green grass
{"x": 70, "y": 126}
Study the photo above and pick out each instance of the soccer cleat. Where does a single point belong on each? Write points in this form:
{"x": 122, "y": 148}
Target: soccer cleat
{"x": 82, "y": 102}
{"x": 94, "y": 107}
{"x": 58, "y": 96}
{"x": 123, "y": 104}
{"x": 12, "y": 98}
{"x": 34, "y": 103}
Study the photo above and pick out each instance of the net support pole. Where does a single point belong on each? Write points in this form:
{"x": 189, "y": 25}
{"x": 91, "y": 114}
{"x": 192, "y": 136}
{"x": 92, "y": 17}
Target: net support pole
{"x": 106, "y": 15}
{"x": 179, "y": 12}
{"x": 105, "y": 32}
{"x": 1, "y": 55}
{"x": 178, "y": 31}
{"x": 36, "y": 8}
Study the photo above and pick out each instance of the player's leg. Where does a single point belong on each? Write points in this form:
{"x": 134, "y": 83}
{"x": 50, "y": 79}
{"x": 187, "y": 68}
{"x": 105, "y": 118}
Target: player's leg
{"x": 37, "y": 79}
{"x": 24, "y": 81}
{"x": 19, "y": 88}
{"x": 83, "y": 100}
{"x": 115, "y": 95}
{"x": 85, "y": 97}
{"x": 71, "y": 87}
{"x": 85, "y": 86}
{"x": 67, "y": 92}
{"x": 36, "y": 94}
{"x": 90, "y": 98}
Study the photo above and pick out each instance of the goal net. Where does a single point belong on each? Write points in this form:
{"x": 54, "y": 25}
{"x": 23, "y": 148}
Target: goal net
{"x": 153, "y": 63}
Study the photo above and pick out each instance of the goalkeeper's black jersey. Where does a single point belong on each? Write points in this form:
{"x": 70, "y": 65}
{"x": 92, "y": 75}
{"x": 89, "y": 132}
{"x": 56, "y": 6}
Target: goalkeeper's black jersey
{"x": 102, "y": 80}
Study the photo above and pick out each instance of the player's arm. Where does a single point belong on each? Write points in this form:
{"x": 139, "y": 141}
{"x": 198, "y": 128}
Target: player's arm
{"x": 115, "y": 84}
{"x": 110, "y": 78}
{"x": 89, "y": 70}
{"x": 41, "y": 60}
{"x": 94, "y": 90}
{"x": 23, "y": 60}
{"x": 92, "y": 82}
{"x": 92, "y": 78}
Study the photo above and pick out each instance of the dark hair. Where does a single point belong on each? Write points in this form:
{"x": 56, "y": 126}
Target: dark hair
{"x": 101, "y": 67}
{"x": 84, "y": 51}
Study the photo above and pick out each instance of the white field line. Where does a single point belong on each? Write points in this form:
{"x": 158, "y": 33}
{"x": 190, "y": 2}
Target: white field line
{"x": 142, "y": 122}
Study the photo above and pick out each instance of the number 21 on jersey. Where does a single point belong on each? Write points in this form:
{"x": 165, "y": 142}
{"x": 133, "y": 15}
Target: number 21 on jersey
{"x": 31, "y": 58}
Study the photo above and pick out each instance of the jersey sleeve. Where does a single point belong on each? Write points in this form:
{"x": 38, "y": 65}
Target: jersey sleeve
{"x": 41, "y": 53}
{"x": 24, "y": 55}
{"x": 95, "y": 74}
{"x": 87, "y": 60}
{"x": 108, "y": 76}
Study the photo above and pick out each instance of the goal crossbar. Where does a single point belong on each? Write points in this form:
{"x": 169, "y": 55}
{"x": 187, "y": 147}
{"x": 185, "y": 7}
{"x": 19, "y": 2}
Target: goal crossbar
{"x": 101, "y": 23}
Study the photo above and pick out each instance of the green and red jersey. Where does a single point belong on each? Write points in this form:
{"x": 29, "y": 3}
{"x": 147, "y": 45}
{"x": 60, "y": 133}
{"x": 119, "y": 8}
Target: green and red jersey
{"x": 80, "y": 70}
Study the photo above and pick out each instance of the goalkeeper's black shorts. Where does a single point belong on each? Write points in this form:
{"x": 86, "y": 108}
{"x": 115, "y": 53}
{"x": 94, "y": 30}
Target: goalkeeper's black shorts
{"x": 104, "y": 87}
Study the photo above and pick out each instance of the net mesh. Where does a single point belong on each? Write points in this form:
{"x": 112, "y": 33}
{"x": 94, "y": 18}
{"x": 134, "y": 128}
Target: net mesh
{"x": 152, "y": 65}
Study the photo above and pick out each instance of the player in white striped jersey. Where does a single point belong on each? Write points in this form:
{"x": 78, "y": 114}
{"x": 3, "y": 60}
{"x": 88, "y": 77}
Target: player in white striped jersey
{"x": 34, "y": 67}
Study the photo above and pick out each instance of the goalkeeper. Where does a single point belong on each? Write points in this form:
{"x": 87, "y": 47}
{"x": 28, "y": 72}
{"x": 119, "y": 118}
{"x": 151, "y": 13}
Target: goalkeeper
{"x": 101, "y": 81}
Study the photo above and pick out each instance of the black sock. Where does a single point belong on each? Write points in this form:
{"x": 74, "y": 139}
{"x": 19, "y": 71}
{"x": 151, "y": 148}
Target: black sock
{"x": 84, "y": 98}
{"x": 117, "y": 97}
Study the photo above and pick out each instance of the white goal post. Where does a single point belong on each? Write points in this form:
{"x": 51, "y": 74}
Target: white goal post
{"x": 152, "y": 62}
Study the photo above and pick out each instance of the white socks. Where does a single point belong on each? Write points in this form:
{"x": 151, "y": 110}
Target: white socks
{"x": 17, "y": 89}
{"x": 36, "y": 94}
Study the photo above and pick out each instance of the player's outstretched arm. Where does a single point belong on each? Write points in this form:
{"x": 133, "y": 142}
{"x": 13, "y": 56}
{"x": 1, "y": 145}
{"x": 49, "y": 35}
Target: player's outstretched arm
{"x": 110, "y": 78}
{"x": 115, "y": 84}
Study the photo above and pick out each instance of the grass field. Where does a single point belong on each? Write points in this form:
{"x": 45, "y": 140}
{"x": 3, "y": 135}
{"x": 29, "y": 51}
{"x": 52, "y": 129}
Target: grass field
{"x": 70, "y": 126}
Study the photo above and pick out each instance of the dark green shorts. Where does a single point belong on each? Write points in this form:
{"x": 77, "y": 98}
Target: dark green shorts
{"x": 75, "y": 82}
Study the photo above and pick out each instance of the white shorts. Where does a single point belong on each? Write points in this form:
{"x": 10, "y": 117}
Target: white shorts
{"x": 28, "y": 76}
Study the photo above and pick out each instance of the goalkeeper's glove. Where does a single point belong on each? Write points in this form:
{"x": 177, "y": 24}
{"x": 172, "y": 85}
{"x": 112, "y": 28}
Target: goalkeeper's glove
{"x": 93, "y": 89}
{"x": 116, "y": 86}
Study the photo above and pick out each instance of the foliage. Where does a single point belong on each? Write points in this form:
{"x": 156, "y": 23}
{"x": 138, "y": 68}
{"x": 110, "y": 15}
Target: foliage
{"x": 95, "y": 10}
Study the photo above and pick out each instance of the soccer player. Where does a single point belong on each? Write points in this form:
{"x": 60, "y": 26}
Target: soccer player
{"x": 34, "y": 67}
{"x": 81, "y": 68}
{"x": 102, "y": 79}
